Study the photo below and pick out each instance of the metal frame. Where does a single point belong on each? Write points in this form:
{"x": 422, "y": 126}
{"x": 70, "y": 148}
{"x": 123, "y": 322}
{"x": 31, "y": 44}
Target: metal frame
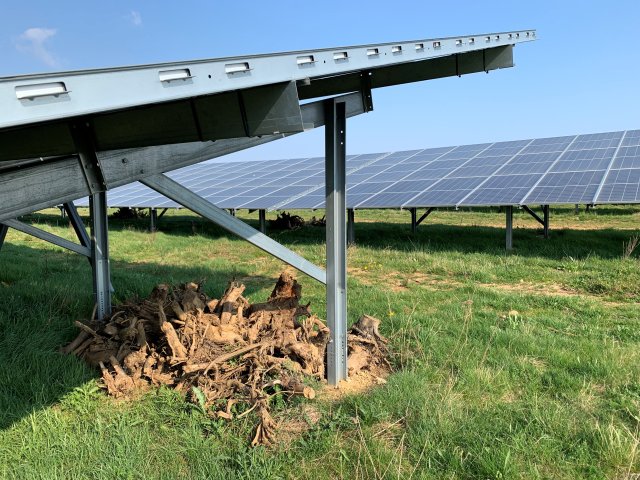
{"x": 248, "y": 100}
{"x": 335, "y": 206}
{"x": 25, "y": 189}
{"x": 144, "y": 85}
{"x": 415, "y": 221}
{"x": 544, "y": 221}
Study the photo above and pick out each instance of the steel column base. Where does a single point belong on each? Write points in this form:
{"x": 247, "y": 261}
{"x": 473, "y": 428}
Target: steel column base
{"x": 335, "y": 204}
{"x": 100, "y": 254}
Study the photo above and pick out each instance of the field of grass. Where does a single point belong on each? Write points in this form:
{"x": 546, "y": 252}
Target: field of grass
{"x": 520, "y": 365}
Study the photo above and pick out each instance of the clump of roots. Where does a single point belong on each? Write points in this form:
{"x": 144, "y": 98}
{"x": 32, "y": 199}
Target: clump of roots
{"x": 226, "y": 350}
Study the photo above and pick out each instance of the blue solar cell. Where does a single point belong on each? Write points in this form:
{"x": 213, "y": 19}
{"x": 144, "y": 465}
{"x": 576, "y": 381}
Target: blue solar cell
{"x": 368, "y": 187}
{"x": 627, "y": 157}
{"x": 621, "y": 186}
{"x": 631, "y": 139}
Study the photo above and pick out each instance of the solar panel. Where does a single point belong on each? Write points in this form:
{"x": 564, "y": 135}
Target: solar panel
{"x": 594, "y": 168}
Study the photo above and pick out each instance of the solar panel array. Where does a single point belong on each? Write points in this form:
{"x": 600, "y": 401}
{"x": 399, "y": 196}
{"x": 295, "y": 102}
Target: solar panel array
{"x": 591, "y": 169}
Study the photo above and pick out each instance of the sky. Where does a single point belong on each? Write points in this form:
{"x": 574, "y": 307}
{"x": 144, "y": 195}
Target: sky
{"x": 582, "y": 75}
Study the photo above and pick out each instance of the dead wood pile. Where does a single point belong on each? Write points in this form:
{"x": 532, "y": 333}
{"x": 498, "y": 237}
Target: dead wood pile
{"x": 286, "y": 221}
{"x": 227, "y": 355}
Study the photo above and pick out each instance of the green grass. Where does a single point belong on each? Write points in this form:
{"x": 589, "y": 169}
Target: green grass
{"x": 521, "y": 365}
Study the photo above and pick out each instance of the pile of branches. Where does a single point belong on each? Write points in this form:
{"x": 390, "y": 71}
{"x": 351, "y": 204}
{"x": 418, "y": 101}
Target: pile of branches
{"x": 318, "y": 222}
{"x": 126, "y": 213}
{"x": 286, "y": 221}
{"x": 227, "y": 355}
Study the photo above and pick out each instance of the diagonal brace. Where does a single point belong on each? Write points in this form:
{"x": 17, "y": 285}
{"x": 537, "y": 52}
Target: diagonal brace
{"x": 533, "y": 214}
{"x": 425, "y": 215}
{"x": 48, "y": 237}
{"x": 185, "y": 197}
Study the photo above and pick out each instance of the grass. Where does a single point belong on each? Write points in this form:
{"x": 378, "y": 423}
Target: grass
{"x": 522, "y": 365}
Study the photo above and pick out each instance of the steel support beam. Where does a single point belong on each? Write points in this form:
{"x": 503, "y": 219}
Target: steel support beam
{"x": 335, "y": 205}
{"x": 77, "y": 224}
{"x": 185, "y": 197}
{"x": 3, "y": 233}
{"x": 262, "y": 216}
{"x": 351, "y": 227}
{"x": 47, "y": 237}
{"x": 545, "y": 224}
{"x": 80, "y": 229}
{"x": 414, "y": 220}
{"x": 42, "y": 184}
{"x": 100, "y": 253}
{"x": 153, "y": 219}
{"x": 509, "y": 214}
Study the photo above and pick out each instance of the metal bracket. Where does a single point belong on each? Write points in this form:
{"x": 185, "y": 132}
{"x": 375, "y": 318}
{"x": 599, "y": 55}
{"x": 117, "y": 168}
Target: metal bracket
{"x": 82, "y": 135}
{"x": 365, "y": 90}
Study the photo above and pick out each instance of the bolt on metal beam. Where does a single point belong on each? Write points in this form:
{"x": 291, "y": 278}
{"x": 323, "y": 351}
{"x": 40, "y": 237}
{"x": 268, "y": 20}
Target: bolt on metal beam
{"x": 335, "y": 205}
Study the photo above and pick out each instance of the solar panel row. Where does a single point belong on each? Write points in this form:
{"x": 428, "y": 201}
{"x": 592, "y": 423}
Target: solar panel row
{"x": 594, "y": 168}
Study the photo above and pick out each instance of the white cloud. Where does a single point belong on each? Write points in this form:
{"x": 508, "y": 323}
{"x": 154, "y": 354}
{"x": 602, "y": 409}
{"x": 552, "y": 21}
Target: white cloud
{"x": 135, "y": 18}
{"x": 33, "y": 40}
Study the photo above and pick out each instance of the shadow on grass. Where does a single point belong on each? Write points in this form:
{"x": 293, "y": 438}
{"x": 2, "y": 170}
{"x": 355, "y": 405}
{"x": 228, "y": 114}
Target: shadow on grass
{"x": 432, "y": 237}
{"x": 42, "y": 292}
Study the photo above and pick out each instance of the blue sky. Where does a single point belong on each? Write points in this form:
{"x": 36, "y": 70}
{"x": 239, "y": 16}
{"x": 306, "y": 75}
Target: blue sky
{"x": 582, "y": 75}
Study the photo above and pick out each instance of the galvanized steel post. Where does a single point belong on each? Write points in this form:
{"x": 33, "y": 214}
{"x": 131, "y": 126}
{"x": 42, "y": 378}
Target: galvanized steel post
{"x": 100, "y": 253}
{"x": 545, "y": 226}
{"x": 153, "y": 219}
{"x": 351, "y": 227}
{"x": 509, "y": 210}
{"x": 335, "y": 181}
{"x": 263, "y": 221}
{"x": 414, "y": 220}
